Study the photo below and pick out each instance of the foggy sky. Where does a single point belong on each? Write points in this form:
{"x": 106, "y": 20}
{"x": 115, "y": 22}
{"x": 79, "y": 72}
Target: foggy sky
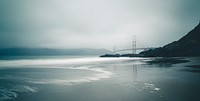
{"x": 95, "y": 23}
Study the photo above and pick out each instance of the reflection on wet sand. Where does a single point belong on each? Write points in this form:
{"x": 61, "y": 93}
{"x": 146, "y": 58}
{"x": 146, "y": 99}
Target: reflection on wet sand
{"x": 166, "y": 62}
{"x": 135, "y": 69}
{"x": 193, "y": 68}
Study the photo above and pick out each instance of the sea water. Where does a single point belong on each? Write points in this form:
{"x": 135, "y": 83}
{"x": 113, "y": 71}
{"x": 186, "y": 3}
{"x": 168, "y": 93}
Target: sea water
{"x": 90, "y": 78}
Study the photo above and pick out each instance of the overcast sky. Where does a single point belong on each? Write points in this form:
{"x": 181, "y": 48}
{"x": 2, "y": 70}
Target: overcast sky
{"x": 95, "y": 23}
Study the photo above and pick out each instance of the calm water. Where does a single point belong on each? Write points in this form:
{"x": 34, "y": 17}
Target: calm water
{"x": 97, "y": 79}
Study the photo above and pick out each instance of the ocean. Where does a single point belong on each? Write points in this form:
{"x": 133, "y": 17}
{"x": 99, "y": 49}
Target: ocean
{"x": 90, "y": 78}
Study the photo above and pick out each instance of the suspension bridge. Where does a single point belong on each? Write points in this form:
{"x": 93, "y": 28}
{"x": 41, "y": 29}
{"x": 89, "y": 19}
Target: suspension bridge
{"x": 133, "y": 49}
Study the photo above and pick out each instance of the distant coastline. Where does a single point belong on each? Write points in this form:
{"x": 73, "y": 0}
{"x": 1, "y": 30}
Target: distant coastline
{"x": 122, "y": 55}
{"x": 50, "y": 52}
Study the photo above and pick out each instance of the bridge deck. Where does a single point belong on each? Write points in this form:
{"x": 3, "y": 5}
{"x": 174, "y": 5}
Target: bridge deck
{"x": 135, "y": 49}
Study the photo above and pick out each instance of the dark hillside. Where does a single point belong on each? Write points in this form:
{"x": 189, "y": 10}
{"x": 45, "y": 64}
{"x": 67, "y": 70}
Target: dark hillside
{"x": 188, "y": 45}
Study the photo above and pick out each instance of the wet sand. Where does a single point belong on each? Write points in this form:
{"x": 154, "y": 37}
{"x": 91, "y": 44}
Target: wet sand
{"x": 135, "y": 79}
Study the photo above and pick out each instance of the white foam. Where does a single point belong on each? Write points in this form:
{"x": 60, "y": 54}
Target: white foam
{"x": 24, "y": 88}
{"x": 152, "y": 87}
{"x": 11, "y": 93}
{"x": 38, "y": 62}
{"x": 100, "y": 74}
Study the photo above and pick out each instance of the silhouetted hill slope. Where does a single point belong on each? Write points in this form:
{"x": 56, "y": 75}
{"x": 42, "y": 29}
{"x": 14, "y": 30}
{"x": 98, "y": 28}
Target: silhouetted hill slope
{"x": 188, "y": 45}
{"x": 47, "y": 51}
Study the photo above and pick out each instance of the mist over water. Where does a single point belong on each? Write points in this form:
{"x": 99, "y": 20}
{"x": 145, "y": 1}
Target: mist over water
{"x": 97, "y": 79}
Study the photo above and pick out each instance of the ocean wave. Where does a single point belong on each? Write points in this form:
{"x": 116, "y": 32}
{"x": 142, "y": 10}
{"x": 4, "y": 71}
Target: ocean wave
{"x": 11, "y": 91}
{"x": 67, "y": 61}
{"x": 100, "y": 74}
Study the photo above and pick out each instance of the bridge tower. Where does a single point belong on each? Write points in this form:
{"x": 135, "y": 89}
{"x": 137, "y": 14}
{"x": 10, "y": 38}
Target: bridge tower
{"x": 134, "y": 45}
